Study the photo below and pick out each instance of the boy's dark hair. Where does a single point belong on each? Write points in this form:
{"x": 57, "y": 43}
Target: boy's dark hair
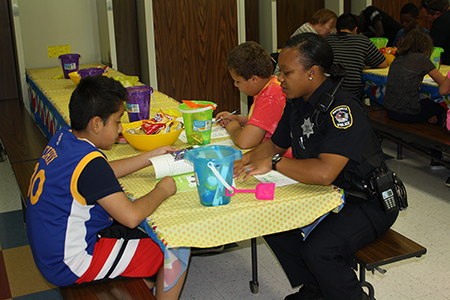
{"x": 410, "y": 9}
{"x": 95, "y": 96}
{"x": 248, "y": 59}
{"x": 347, "y": 21}
{"x": 416, "y": 41}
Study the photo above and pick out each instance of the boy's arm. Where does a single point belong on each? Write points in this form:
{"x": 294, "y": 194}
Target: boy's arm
{"x": 132, "y": 213}
{"x": 129, "y": 165}
{"x": 245, "y": 138}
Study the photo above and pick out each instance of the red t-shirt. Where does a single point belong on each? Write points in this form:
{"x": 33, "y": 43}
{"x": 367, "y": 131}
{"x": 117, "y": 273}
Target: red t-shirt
{"x": 267, "y": 109}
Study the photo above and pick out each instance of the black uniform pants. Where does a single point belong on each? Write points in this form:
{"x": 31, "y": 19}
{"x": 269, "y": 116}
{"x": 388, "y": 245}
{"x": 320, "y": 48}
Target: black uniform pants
{"x": 322, "y": 257}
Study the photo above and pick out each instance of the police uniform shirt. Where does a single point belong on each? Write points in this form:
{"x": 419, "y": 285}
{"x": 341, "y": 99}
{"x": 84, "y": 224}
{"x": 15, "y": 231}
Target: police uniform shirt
{"x": 342, "y": 130}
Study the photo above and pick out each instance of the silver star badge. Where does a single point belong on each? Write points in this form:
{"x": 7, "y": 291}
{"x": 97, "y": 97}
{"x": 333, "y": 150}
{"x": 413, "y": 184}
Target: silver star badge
{"x": 308, "y": 127}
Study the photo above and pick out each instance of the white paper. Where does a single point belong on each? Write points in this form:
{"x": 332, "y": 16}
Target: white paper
{"x": 275, "y": 177}
{"x": 224, "y": 143}
{"x": 182, "y": 137}
{"x": 429, "y": 81}
{"x": 171, "y": 164}
{"x": 216, "y": 133}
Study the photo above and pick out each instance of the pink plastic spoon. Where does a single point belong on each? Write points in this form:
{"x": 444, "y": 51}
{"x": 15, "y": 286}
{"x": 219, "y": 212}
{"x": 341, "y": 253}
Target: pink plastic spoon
{"x": 263, "y": 191}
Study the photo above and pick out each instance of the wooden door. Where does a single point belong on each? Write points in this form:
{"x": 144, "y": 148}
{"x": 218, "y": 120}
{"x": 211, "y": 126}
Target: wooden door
{"x": 9, "y": 87}
{"x": 126, "y": 34}
{"x": 251, "y": 21}
{"x": 291, "y": 14}
{"x": 192, "y": 41}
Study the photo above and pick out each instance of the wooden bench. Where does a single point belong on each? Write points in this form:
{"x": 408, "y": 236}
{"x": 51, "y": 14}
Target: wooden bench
{"x": 23, "y": 142}
{"x": 124, "y": 289}
{"x": 392, "y": 247}
{"x": 420, "y": 137}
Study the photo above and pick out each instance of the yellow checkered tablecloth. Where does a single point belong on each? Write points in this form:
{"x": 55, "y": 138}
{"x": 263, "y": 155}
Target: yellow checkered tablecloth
{"x": 58, "y": 91}
{"x": 182, "y": 220}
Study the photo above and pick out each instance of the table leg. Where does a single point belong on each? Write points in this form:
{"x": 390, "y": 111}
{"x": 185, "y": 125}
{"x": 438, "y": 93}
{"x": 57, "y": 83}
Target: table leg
{"x": 254, "y": 284}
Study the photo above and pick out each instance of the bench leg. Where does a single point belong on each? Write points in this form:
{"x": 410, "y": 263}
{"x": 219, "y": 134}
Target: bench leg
{"x": 2, "y": 153}
{"x": 399, "y": 149}
{"x": 364, "y": 283}
{"x": 254, "y": 284}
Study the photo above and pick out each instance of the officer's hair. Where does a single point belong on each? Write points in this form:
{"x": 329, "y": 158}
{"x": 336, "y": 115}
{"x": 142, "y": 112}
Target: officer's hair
{"x": 314, "y": 50}
{"x": 249, "y": 59}
{"x": 95, "y": 96}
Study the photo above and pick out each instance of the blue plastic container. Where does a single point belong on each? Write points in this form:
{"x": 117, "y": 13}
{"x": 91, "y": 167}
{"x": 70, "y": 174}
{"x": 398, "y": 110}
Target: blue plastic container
{"x": 222, "y": 159}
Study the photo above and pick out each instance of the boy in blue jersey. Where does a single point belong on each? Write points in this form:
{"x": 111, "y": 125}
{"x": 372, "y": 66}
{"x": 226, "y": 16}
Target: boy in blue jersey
{"x": 80, "y": 224}
{"x": 409, "y": 18}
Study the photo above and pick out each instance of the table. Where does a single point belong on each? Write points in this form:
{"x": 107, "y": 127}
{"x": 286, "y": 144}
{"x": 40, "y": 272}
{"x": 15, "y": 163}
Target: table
{"x": 375, "y": 80}
{"x": 182, "y": 220}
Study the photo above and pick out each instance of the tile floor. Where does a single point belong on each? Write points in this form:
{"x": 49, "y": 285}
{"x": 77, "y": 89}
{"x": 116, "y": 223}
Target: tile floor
{"x": 226, "y": 275}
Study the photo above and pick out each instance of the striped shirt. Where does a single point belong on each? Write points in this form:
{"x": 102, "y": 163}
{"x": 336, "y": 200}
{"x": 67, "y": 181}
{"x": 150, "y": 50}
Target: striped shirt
{"x": 354, "y": 52}
{"x": 304, "y": 28}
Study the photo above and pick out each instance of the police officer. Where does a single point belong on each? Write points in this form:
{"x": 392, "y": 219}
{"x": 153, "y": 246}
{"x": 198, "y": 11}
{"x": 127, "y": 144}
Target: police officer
{"x": 332, "y": 143}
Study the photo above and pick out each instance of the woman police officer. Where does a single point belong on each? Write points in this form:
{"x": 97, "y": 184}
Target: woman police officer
{"x": 333, "y": 143}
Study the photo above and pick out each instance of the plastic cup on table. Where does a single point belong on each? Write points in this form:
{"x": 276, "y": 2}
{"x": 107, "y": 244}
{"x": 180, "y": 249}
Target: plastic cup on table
{"x": 138, "y": 102}
{"x": 198, "y": 122}
{"x": 70, "y": 63}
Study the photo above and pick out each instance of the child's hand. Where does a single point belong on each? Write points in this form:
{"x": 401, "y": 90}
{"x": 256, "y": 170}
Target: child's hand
{"x": 162, "y": 150}
{"x": 225, "y": 118}
{"x": 167, "y": 185}
{"x": 220, "y": 116}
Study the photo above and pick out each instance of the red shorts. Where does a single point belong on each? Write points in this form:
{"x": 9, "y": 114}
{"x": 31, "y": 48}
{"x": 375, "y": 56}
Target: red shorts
{"x": 125, "y": 252}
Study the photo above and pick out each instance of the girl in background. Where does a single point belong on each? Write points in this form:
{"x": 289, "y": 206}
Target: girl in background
{"x": 405, "y": 76}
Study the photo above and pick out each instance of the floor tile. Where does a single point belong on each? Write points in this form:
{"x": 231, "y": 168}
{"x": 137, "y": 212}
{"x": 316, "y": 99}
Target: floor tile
{"x": 24, "y": 277}
{"x": 12, "y": 230}
{"x": 5, "y": 292}
{"x": 10, "y": 193}
{"x": 53, "y": 294}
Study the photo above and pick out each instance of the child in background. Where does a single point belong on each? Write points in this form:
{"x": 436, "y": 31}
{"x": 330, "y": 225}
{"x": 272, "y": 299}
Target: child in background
{"x": 251, "y": 68}
{"x": 405, "y": 76}
{"x": 409, "y": 17}
{"x": 80, "y": 224}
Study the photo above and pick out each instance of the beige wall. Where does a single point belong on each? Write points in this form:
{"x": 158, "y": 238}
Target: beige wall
{"x": 58, "y": 22}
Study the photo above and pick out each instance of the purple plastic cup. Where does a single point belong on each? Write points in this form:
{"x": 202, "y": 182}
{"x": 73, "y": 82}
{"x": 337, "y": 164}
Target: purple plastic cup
{"x": 138, "y": 103}
{"x": 70, "y": 63}
{"x": 90, "y": 72}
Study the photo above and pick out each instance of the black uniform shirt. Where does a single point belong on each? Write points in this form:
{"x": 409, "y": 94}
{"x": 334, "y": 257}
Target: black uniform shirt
{"x": 342, "y": 130}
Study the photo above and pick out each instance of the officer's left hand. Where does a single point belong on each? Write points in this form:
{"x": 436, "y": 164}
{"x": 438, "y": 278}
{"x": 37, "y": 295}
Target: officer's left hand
{"x": 258, "y": 167}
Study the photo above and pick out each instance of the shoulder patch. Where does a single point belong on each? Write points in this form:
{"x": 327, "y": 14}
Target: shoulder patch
{"x": 342, "y": 117}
